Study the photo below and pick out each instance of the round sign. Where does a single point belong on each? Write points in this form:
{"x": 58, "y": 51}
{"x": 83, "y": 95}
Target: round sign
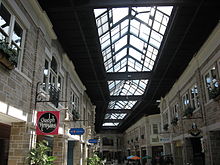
{"x": 47, "y": 122}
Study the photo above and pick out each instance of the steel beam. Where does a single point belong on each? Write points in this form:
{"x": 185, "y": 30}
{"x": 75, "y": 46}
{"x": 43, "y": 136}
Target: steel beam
{"x": 128, "y": 75}
{"x": 126, "y": 98}
{"x": 118, "y": 111}
{"x": 112, "y": 120}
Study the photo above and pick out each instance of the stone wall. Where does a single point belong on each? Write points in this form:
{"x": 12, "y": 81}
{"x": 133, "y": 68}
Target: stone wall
{"x": 59, "y": 149}
{"x": 215, "y": 147}
{"x": 19, "y": 144}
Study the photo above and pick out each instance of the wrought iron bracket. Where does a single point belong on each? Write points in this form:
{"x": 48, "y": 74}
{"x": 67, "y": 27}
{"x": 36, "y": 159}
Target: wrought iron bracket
{"x": 192, "y": 118}
{"x": 53, "y": 95}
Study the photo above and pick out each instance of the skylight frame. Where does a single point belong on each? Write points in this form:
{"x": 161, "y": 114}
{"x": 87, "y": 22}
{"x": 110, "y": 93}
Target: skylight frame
{"x": 122, "y": 54}
{"x": 161, "y": 15}
{"x": 127, "y": 87}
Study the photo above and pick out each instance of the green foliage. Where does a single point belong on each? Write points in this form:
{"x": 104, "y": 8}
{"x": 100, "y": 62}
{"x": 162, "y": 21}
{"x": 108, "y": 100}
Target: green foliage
{"x": 75, "y": 114}
{"x": 94, "y": 160}
{"x": 189, "y": 111}
{"x": 10, "y": 53}
{"x": 214, "y": 92}
{"x": 39, "y": 156}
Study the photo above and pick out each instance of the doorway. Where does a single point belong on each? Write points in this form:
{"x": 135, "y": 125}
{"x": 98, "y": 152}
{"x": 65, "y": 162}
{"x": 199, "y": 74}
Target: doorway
{"x": 198, "y": 155}
{"x": 4, "y": 143}
{"x": 143, "y": 154}
{"x": 70, "y": 153}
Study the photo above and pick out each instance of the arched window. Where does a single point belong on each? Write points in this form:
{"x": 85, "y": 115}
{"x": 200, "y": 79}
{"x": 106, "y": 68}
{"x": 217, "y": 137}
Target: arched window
{"x": 54, "y": 65}
{"x": 52, "y": 76}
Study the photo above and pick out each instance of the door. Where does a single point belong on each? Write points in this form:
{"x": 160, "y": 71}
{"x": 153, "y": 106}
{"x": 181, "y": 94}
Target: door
{"x": 70, "y": 153}
{"x": 198, "y": 155}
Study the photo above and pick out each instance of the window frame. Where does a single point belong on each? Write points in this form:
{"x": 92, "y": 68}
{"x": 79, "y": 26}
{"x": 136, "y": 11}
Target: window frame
{"x": 209, "y": 72}
{"x": 74, "y": 96}
{"x": 153, "y": 129}
{"x": 14, "y": 19}
{"x": 47, "y": 83}
{"x": 175, "y": 112}
{"x": 194, "y": 102}
{"x": 184, "y": 98}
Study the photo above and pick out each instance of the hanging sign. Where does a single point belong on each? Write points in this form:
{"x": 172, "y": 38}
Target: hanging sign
{"x": 47, "y": 122}
{"x": 93, "y": 141}
{"x": 194, "y": 131}
{"x": 76, "y": 131}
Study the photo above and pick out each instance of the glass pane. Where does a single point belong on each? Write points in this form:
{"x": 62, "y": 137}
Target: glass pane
{"x": 17, "y": 34}
{"x": 119, "y": 13}
{"x": 128, "y": 87}
{"x": 54, "y": 65}
{"x": 4, "y": 21}
{"x": 98, "y": 12}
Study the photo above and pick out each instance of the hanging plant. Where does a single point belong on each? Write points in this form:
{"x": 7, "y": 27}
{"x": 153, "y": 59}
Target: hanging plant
{"x": 8, "y": 55}
{"x": 214, "y": 91}
{"x": 188, "y": 112}
{"x": 174, "y": 121}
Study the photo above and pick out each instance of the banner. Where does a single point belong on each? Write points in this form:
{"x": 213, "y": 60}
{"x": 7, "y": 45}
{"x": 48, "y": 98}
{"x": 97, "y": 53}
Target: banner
{"x": 47, "y": 122}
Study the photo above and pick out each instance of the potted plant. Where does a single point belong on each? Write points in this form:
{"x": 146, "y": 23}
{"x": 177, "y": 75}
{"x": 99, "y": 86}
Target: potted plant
{"x": 8, "y": 55}
{"x": 165, "y": 127}
{"x": 39, "y": 154}
{"x": 214, "y": 91}
{"x": 94, "y": 160}
{"x": 75, "y": 114}
{"x": 174, "y": 121}
{"x": 188, "y": 112}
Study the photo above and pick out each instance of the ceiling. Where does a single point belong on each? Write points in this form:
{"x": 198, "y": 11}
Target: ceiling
{"x": 74, "y": 22}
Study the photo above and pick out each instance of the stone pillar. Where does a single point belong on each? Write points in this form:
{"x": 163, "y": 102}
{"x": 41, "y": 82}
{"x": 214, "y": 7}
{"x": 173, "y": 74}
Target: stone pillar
{"x": 19, "y": 144}
{"x": 60, "y": 149}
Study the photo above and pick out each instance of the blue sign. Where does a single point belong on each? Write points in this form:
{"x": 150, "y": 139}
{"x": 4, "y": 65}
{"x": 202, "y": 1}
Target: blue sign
{"x": 76, "y": 131}
{"x": 93, "y": 140}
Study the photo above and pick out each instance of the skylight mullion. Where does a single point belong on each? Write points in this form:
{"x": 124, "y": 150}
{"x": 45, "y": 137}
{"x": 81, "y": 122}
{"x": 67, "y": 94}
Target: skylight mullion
{"x": 110, "y": 20}
{"x": 134, "y": 59}
{"x": 151, "y": 28}
{"x": 143, "y": 40}
{"x": 129, "y": 29}
{"x": 116, "y": 24}
{"x": 136, "y": 49}
{"x": 112, "y": 43}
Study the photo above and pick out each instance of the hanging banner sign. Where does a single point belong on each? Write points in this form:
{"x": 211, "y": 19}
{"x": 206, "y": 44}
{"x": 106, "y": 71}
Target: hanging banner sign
{"x": 93, "y": 140}
{"x": 76, "y": 131}
{"x": 47, "y": 122}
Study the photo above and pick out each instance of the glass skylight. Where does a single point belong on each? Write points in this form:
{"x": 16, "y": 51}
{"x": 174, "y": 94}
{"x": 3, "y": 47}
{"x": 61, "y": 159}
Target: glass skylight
{"x": 115, "y": 115}
{"x": 131, "y": 37}
{"x": 121, "y": 104}
{"x": 127, "y": 87}
{"x": 110, "y": 124}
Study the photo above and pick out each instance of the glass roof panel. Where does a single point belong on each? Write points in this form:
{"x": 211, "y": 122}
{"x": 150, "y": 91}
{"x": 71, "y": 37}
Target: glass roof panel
{"x": 119, "y": 13}
{"x": 127, "y": 87}
{"x": 121, "y": 104}
{"x": 110, "y": 124}
{"x": 148, "y": 24}
{"x": 115, "y": 115}
{"x": 130, "y": 39}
